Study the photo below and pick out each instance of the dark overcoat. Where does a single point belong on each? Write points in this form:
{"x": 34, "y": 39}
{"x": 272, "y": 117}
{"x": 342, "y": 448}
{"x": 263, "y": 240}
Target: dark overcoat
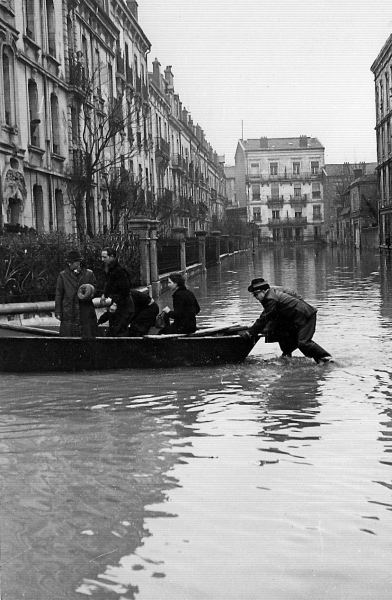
{"x": 185, "y": 309}
{"x": 77, "y": 317}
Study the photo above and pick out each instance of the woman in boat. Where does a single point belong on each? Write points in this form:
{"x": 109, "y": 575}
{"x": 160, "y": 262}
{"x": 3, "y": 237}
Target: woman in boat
{"x": 185, "y": 307}
{"x": 74, "y": 307}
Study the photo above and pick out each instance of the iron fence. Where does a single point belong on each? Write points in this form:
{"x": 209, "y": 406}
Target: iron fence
{"x": 168, "y": 253}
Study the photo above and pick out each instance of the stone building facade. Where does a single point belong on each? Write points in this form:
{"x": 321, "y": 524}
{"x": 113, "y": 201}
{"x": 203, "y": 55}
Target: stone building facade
{"x": 71, "y": 71}
{"x": 279, "y": 181}
{"x": 190, "y": 177}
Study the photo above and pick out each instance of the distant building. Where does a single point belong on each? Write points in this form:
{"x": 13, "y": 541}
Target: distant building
{"x": 337, "y": 178}
{"x": 357, "y": 212}
{"x": 279, "y": 180}
{"x": 230, "y": 186}
{"x": 382, "y": 71}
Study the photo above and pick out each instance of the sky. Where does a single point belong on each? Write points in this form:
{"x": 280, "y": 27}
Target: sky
{"x": 276, "y": 68}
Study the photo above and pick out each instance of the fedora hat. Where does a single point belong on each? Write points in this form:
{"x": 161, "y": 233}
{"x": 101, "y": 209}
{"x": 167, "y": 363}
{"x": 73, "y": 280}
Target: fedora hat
{"x": 258, "y": 284}
{"x": 73, "y": 256}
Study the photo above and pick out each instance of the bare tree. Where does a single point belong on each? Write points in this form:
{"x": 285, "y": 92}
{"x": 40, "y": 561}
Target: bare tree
{"x": 103, "y": 140}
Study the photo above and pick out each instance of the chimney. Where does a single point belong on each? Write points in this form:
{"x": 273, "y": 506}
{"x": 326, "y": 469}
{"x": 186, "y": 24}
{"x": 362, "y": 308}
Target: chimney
{"x": 156, "y": 71}
{"x": 263, "y": 142}
{"x": 303, "y": 141}
{"x": 169, "y": 78}
{"x": 358, "y": 173}
{"x": 185, "y": 116}
{"x": 133, "y": 7}
{"x": 198, "y": 132}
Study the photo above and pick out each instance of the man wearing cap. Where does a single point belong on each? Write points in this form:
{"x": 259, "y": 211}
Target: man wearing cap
{"x": 74, "y": 307}
{"x": 288, "y": 320}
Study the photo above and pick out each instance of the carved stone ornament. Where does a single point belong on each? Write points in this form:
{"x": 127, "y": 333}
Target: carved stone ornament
{"x": 14, "y": 186}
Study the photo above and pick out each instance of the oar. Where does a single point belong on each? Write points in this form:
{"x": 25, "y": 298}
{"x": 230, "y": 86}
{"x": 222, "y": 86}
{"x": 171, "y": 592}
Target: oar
{"x": 224, "y": 329}
{"x": 31, "y": 330}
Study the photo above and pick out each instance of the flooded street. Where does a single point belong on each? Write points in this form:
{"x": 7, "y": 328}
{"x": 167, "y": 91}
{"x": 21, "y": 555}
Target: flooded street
{"x": 269, "y": 480}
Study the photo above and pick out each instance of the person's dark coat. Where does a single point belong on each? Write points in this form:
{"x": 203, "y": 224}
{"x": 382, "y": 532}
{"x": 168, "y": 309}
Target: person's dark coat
{"x": 146, "y": 312}
{"x": 77, "y": 317}
{"x": 290, "y": 321}
{"x": 185, "y": 309}
{"x": 118, "y": 287}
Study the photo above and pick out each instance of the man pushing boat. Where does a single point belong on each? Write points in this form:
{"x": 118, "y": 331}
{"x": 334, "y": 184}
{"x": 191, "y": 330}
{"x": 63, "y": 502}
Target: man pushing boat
{"x": 286, "y": 319}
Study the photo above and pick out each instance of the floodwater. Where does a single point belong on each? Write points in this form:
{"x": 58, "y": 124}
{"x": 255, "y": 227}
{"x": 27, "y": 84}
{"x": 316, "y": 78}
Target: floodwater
{"x": 269, "y": 480}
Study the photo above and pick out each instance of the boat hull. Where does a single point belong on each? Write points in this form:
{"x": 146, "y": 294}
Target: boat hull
{"x": 41, "y": 354}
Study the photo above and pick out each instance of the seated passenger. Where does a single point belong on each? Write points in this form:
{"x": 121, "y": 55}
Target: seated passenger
{"x": 143, "y": 317}
{"x": 185, "y": 307}
{"x": 146, "y": 311}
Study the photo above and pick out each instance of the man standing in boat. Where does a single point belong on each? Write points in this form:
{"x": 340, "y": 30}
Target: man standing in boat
{"x": 117, "y": 288}
{"x": 74, "y": 307}
{"x": 287, "y": 319}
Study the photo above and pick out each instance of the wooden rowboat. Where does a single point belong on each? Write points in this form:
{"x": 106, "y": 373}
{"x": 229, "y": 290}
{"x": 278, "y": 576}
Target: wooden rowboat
{"x": 29, "y": 349}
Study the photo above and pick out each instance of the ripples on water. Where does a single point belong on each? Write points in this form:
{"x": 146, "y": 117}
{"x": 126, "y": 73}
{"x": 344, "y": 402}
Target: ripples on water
{"x": 267, "y": 480}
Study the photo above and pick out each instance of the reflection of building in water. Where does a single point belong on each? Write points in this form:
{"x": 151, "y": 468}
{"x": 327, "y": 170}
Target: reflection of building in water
{"x": 302, "y": 268}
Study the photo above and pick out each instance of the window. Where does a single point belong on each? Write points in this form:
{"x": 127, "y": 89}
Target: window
{"x": 59, "y": 201}
{"x": 314, "y": 167}
{"x": 298, "y": 233}
{"x": 296, "y": 168}
{"x": 255, "y": 192}
{"x": 298, "y": 214}
{"x": 38, "y": 208}
{"x": 276, "y": 214}
{"x": 273, "y": 168}
{"x": 316, "y": 211}
{"x": 8, "y": 84}
{"x": 51, "y": 27}
{"x": 110, "y": 81}
{"x": 104, "y": 215}
{"x": 90, "y": 215}
{"x": 54, "y": 110}
{"x": 254, "y": 168}
{"x": 316, "y": 189}
{"x": 256, "y": 214}
{"x": 297, "y": 190}
{"x": 33, "y": 113}
{"x": 84, "y": 56}
{"x": 29, "y": 18}
{"x": 275, "y": 191}
{"x": 75, "y": 125}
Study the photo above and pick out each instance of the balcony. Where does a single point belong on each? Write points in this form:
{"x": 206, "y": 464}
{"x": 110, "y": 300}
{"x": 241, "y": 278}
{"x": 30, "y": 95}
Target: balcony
{"x": 178, "y": 163}
{"x": 283, "y": 176}
{"x": 77, "y": 75}
{"x": 162, "y": 148}
{"x": 275, "y": 201}
{"x": 288, "y": 222}
{"x": 299, "y": 200}
{"x": 164, "y": 200}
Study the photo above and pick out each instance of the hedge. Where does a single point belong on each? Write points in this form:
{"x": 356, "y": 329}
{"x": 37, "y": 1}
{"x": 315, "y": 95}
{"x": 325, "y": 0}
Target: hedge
{"x": 30, "y": 262}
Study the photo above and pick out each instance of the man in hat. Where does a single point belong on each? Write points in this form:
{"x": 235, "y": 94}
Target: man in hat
{"x": 75, "y": 311}
{"x": 286, "y": 319}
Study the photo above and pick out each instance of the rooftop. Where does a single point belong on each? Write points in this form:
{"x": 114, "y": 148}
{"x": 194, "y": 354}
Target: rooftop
{"x": 289, "y": 143}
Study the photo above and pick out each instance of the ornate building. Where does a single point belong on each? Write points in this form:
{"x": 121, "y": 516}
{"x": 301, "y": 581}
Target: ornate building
{"x": 279, "y": 181}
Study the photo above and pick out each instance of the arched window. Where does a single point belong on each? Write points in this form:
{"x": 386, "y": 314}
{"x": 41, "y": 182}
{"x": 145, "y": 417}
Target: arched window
{"x": 29, "y": 12}
{"x": 38, "y": 208}
{"x": 59, "y": 200}
{"x": 54, "y": 109}
{"x": 33, "y": 113}
{"x": 8, "y": 85}
{"x": 51, "y": 27}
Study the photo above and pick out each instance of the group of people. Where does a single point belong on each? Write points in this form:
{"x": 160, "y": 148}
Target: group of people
{"x": 286, "y": 317}
{"x": 128, "y": 312}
